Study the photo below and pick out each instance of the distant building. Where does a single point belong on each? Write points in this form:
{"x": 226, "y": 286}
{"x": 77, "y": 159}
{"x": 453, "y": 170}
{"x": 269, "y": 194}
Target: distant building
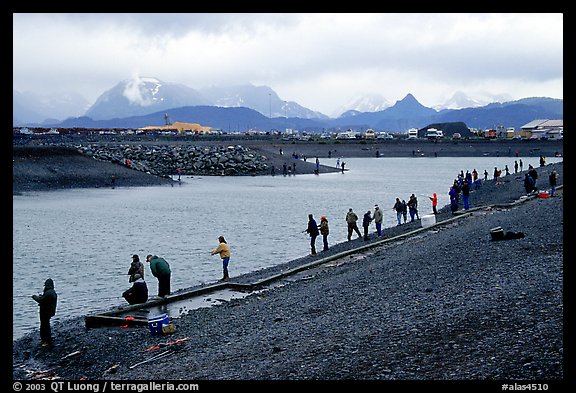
{"x": 543, "y": 129}
{"x": 180, "y": 127}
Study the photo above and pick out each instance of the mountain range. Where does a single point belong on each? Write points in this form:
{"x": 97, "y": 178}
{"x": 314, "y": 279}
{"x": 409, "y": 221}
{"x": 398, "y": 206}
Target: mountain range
{"x": 145, "y": 101}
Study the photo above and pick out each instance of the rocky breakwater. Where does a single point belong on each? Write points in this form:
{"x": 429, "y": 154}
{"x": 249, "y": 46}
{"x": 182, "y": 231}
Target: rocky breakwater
{"x": 166, "y": 160}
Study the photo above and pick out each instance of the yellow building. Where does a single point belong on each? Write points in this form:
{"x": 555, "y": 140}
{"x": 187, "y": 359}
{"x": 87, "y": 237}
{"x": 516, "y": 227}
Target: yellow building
{"x": 180, "y": 127}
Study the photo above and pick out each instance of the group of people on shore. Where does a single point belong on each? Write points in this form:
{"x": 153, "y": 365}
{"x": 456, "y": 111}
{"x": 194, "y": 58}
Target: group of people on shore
{"x": 377, "y": 217}
{"x": 136, "y": 294}
{"x": 160, "y": 268}
{"x": 465, "y": 183}
{"x": 402, "y": 208}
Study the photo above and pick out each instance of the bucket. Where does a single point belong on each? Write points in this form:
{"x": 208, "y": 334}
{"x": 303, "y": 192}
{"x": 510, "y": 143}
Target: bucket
{"x": 428, "y": 221}
{"x": 155, "y": 323}
{"x": 543, "y": 194}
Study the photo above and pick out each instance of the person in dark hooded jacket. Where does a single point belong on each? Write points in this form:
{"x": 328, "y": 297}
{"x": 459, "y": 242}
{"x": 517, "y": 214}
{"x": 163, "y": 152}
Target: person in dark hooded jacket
{"x": 138, "y": 292}
{"x": 47, "y": 302}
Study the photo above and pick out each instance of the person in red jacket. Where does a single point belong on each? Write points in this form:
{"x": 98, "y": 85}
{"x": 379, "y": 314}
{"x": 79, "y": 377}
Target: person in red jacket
{"x": 434, "y": 199}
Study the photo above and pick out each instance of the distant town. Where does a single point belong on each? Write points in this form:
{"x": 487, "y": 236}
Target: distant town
{"x": 541, "y": 129}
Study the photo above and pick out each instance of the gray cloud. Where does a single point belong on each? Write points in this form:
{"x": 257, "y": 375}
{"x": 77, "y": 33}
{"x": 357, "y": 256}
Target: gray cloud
{"x": 318, "y": 60}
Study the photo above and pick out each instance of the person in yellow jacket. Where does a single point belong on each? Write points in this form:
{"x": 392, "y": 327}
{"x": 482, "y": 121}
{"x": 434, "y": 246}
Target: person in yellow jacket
{"x": 224, "y": 250}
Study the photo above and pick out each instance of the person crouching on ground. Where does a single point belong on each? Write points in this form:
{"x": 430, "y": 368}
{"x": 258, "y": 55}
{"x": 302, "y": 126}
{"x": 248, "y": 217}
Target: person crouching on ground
{"x": 224, "y": 250}
{"x": 161, "y": 270}
{"x": 138, "y": 292}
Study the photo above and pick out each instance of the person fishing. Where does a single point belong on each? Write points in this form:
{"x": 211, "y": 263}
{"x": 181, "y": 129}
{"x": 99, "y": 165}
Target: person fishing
{"x": 47, "y": 302}
{"x": 224, "y": 250}
{"x": 161, "y": 270}
{"x": 434, "y": 199}
{"x": 136, "y": 267}
{"x": 313, "y": 231}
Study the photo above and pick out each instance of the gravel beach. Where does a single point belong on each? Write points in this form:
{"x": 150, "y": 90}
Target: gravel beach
{"x": 442, "y": 304}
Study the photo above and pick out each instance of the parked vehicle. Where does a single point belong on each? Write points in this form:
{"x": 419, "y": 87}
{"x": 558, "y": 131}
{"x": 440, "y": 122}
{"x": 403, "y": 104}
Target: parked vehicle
{"x": 370, "y": 134}
{"x": 384, "y": 135}
{"x": 433, "y": 133}
{"x": 346, "y": 135}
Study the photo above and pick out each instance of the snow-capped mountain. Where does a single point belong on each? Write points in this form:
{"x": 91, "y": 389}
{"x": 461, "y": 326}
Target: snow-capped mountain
{"x": 260, "y": 98}
{"x": 372, "y": 102}
{"x": 461, "y": 100}
{"x": 143, "y": 95}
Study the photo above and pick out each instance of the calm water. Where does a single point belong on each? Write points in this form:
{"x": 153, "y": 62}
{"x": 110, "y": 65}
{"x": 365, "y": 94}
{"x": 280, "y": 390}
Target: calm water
{"x": 83, "y": 239}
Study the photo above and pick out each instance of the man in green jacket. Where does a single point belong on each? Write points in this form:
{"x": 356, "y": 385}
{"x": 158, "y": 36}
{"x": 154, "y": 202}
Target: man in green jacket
{"x": 161, "y": 270}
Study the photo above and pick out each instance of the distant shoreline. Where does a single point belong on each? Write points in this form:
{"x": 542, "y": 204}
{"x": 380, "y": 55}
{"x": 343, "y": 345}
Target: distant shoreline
{"x": 45, "y": 167}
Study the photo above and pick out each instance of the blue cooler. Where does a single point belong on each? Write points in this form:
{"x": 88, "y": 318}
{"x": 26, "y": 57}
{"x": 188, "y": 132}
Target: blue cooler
{"x": 155, "y": 323}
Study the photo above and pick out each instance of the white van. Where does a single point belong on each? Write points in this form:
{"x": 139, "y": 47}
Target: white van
{"x": 413, "y": 133}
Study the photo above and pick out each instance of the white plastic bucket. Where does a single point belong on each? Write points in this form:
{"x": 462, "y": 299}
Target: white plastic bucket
{"x": 428, "y": 220}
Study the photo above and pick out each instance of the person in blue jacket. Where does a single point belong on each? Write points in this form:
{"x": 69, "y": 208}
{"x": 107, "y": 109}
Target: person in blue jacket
{"x": 453, "y": 200}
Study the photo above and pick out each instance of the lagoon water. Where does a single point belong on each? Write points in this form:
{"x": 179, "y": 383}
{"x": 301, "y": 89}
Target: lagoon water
{"x": 83, "y": 239}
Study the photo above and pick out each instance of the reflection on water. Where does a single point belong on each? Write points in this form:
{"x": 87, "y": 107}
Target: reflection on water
{"x": 83, "y": 239}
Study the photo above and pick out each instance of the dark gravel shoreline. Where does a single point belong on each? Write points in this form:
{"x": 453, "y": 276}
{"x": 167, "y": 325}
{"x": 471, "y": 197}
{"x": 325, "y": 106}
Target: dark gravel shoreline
{"x": 446, "y": 304}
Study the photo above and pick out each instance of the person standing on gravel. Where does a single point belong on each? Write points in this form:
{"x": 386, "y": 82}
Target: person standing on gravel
{"x": 453, "y": 200}
{"x": 136, "y": 267}
{"x": 47, "y": 302}
{"x": 434, "y": 199}
{"x": 528, "y": 183}
{"x": 351, "y": 220}
{"x": 312, "y": 230}
{"x": 413, "y": 207}
{"x": 404, "y": 210}
{"x": 378, "y": 218}
{"x": 366, "y": 223}
{"x": 466, "y": 195}
{"x": 224, "y": 250}
{"x": 161, "y": 270}
{"x": 324, "y": 231}
{"x": 553, "y": 180}
{"x": 533, "y": 174}
{"x": 398, "y": 208}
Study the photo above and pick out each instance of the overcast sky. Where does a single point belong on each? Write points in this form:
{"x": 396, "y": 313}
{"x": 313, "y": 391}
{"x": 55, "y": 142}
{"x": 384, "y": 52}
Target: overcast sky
{"x": 321, "y": 61}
